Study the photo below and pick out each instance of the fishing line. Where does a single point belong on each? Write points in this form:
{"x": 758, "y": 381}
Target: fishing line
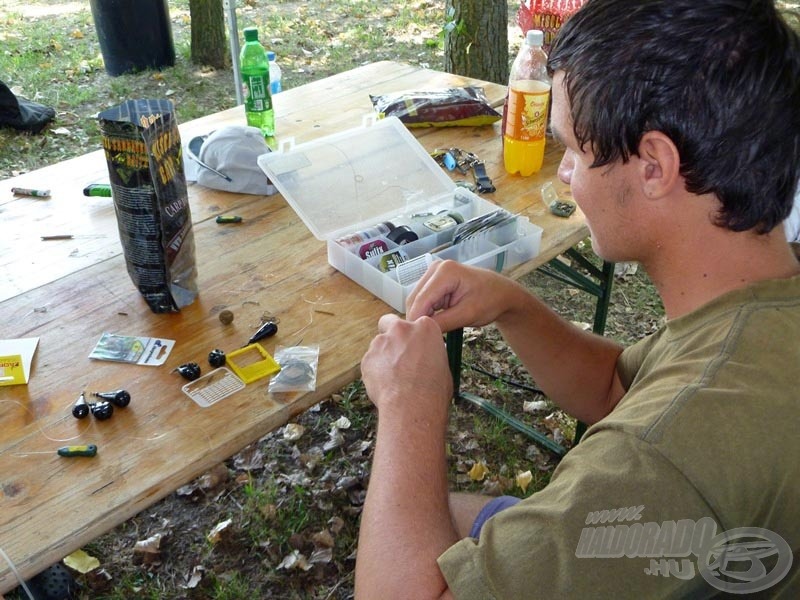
{"x": 39, "y": 427}
{"x": 19, "y": 577}
{"x": 90, "y": 425}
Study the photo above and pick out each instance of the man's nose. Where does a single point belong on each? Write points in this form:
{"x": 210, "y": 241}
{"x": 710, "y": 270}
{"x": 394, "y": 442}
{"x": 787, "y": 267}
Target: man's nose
{"x": 565, "y": 168}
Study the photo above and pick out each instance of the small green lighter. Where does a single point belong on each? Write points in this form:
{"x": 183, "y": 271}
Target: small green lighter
{"x": 97, "y": 189}
{"x": 222, "y": 219}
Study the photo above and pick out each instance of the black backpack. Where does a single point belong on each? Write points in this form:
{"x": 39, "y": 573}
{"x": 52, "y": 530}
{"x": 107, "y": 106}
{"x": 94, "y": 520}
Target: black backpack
{"x": 23, "y": 115}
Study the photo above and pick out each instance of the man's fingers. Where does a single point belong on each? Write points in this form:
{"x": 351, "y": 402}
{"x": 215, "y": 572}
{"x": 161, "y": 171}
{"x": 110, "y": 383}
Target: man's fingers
{"x": 433, "y": 292}
{"x": 386, "y": 321}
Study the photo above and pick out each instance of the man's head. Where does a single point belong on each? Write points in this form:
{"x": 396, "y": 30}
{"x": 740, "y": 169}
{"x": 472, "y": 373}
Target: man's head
{"x": 720, "y": 78}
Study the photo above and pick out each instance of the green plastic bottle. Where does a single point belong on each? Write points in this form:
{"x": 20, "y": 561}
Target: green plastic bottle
{"x": 255, "y": 79}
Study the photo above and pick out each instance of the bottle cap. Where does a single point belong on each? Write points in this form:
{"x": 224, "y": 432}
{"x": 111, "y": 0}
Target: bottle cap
{"x": 270, "y": 55}
{"x": 250, "y": 34}
{"x": 534, "y": 38}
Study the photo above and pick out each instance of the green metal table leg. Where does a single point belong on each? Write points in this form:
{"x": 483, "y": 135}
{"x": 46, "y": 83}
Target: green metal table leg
{"x": 455, "y": 345}
{"x": 600, "y": 289}
{"x": 556, "y": 269}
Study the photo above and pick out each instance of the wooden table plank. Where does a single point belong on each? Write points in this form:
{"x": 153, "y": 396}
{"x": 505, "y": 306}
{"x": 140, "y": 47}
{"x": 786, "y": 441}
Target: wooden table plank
{"x": 68, "y": 293}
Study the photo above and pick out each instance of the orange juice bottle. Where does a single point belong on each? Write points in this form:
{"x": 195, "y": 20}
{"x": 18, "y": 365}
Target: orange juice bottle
{"x": 526, "y": 113}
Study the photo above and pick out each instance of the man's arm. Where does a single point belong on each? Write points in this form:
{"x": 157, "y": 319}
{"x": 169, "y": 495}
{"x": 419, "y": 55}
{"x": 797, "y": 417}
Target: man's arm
{"x": 576, "y": 369}
{"x": 406, "y": 522}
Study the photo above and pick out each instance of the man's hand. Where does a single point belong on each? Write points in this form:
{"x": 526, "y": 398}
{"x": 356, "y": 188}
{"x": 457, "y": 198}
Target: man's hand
{"x": 576, "y": 369}
{"x": 406, "y": 371}
{"x": 455, "y": 295}
{"x": 406, "y": 523}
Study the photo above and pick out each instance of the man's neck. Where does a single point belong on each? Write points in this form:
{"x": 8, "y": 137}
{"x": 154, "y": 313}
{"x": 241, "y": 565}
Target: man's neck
{"x": 698, "y": 270}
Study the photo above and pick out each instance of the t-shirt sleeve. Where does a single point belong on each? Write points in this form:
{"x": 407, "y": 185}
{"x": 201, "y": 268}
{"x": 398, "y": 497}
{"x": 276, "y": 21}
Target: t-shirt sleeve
{"x": 631, "y": 359}
{"x": 587, "y": 534}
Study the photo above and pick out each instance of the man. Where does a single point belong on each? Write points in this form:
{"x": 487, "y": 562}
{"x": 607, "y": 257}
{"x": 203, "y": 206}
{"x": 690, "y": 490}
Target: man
{"x": 682, "y": 137}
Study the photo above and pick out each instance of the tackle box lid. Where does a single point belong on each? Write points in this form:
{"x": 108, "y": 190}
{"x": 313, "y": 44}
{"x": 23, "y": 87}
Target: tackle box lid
{"x": 360, "y": 176}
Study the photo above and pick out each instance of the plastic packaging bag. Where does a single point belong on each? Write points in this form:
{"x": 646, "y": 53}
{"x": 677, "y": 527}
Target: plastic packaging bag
{"x": 143, "y": 151}
{"x": 298, "y": 369}
{"x": 438, "y": 108}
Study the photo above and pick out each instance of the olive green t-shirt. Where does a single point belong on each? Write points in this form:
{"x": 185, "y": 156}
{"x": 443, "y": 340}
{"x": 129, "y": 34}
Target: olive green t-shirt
{"x": 705, "y": 441}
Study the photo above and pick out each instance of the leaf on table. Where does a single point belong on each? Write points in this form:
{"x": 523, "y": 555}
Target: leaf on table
{"x": 524, "y": 480}
{"x": 478, "y": 471}
{"x": 81, "y": 562}
{"x": 216, "y": 533}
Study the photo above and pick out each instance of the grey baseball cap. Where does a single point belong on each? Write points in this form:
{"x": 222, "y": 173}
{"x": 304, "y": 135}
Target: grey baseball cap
{"x": 228, "y": 159}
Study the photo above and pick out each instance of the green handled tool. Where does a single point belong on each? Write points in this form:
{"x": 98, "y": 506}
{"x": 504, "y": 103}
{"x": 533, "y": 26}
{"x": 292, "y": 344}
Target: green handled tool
{"x": 81, "y": 450}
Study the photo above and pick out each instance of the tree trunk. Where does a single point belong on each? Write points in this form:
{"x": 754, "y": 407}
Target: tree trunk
{"x": 476, "y": 43}
{"x": 208, "y": 34}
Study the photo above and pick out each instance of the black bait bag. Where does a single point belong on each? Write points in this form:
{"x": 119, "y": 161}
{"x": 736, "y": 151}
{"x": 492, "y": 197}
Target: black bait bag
{"x": 143, "y": 151}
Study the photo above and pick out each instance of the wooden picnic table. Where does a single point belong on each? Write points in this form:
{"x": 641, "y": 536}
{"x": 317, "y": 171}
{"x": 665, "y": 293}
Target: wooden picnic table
{"x": 69, "y": 292}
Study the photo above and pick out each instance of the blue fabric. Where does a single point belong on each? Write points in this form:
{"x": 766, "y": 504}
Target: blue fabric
{"x": 494, "y": 506}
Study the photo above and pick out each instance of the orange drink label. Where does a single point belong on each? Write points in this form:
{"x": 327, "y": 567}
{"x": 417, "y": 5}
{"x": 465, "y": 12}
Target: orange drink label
{"x": 527, "y": 110}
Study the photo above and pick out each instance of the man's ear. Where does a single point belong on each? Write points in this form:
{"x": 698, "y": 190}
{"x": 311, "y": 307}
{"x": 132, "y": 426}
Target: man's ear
{"x": 660, "y": 162}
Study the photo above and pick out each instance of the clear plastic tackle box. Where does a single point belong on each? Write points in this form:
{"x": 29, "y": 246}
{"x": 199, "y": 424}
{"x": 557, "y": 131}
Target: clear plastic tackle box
{"x": 386, "y": 209}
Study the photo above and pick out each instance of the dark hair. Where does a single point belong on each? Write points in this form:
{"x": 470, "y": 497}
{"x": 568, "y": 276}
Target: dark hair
{"x": 721, "y": 78}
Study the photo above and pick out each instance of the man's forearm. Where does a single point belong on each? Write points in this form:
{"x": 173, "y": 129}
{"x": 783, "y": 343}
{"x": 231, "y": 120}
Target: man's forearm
{"x": 406, "y": 522}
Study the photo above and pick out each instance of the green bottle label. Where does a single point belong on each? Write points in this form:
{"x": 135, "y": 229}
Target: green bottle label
{"x": 257, "y": 93}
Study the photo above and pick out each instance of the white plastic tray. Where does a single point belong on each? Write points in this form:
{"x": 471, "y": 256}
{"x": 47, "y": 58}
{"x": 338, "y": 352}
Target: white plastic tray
{"x": 354, "y": 180}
